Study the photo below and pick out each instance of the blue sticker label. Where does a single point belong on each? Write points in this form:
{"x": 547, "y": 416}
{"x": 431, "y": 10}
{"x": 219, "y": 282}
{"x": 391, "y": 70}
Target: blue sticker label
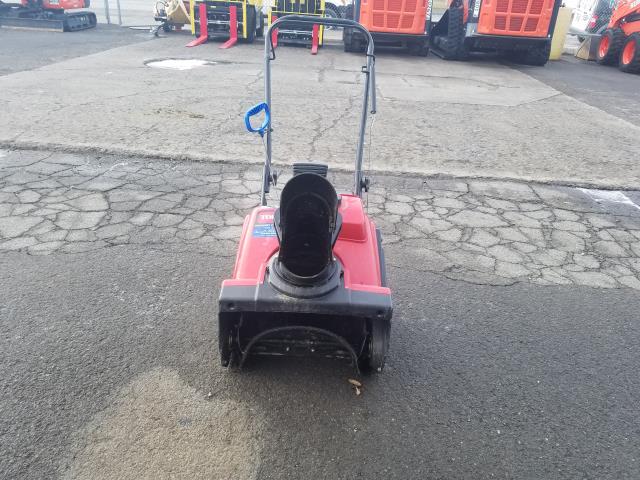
{"x": 264, "y": 230}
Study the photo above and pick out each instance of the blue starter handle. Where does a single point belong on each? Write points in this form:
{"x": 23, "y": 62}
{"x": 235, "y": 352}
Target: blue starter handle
{"x": 256, "y": 109}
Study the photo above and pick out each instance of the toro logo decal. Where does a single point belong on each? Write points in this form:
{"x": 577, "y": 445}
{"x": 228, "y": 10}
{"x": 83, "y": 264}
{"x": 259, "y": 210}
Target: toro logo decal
{"x": 263, "y": 226}
{"x": 264, "y": 218}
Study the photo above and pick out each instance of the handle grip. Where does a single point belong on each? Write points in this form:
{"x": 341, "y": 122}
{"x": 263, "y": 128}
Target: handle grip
{"x": 255, "y": 110}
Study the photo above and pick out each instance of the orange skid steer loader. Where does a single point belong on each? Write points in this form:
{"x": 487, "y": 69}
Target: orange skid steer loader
{"x": 392, "y": 23}
{"x": 521, "y": 30}
{"x": 620, "y": 42}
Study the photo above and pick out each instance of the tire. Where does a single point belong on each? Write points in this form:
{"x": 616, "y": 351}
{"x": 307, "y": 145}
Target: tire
{"x": 352, "y": 44}
{"x": 630, "y": 54}
{"x": 331, "y": 11}
{"x": 349, "y": 13}
{"x": 226, "y": 346}
{"x": 537, "y": 55}
{"x": 251, "y": 24}
{"x": 610, "y": 45}
{"x": 347, "y": 39}
{"x": 420, "y": 48}
{"x": 378, "y": 345}
{"x": 347, "y": 33}
{"x": 260, "y": 27}
{"x": 452, "y": 45}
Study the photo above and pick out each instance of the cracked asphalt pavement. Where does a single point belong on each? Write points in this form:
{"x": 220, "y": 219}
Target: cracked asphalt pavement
{"x": 465, "y": 119}
{"x": 123, "y": 188}
{"x": 514, "y": 345}
{"x": 478, "y": 231}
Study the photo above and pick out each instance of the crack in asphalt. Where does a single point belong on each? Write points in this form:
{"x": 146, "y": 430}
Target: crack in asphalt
{"x": 478, "y": 231}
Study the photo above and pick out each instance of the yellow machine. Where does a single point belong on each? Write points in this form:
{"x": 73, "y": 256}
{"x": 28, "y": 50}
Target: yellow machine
{"x": 236, "y": 19}
{"x": 298, "y": 33}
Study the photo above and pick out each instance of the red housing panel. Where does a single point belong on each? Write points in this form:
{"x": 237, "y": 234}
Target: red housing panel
{"x": 394, "y": 16}
{"x": 356, "y": 248}
{"x": 60, "y": 4}
{"x": 520, "y": 18}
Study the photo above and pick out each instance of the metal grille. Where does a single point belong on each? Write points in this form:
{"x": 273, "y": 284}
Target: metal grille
{"x": 536, "y": 7}
{"x": 378, "y": 20}
{"x": 393, "y": 20}
{"x": 519, "y": 6}
{"x": 515, "y": 24}
{"x": 517, "y": 14}
{"x": 394, "y": 5}
{"x": 391, "y": 15}
{"x": 531, "y": 25}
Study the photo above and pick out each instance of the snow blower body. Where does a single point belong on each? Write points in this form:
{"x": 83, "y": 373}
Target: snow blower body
{"x": 309, "y": 277}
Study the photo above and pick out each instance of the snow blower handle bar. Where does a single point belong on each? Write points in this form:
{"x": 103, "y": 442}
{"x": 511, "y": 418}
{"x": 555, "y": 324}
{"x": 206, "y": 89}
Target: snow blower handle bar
{"x": 369, "y": 92}
{"x": 255, "y": 110}
{"x": 327, "y": 22}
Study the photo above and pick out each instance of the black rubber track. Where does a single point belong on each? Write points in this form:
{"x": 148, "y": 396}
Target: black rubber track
{"x": 536, "y": 55}
{"x": 451, "y": 46}
{"x": 350, "y": 41}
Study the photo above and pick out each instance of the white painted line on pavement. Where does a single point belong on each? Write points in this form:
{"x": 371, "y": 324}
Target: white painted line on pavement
{"x": 609, "y": 196}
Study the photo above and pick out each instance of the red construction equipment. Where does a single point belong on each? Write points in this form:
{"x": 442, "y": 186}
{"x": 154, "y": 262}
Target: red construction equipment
{"x": 392, "y": 23}
{"x": 274, "y": 32}
{"x": 303, "y": 34}
{"x": 204, "y": 34}
{"x": 47, "y": 15}
{"x": 233, "y": 28}
{"x": 620, "y": 42}
{"x": 521, "y": 30}
{"x": 237, "y": 20}
{"x": 315, "y": 38}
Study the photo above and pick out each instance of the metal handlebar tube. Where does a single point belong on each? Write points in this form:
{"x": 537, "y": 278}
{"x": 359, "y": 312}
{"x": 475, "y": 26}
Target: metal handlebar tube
{"x": 369, "y": 91}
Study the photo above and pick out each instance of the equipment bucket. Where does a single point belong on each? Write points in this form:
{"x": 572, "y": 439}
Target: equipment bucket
{"x": 560, "y": 32}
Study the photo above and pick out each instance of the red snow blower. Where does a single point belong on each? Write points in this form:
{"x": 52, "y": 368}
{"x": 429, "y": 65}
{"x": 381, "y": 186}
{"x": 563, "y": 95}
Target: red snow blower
{"x": 309, "y": 277}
